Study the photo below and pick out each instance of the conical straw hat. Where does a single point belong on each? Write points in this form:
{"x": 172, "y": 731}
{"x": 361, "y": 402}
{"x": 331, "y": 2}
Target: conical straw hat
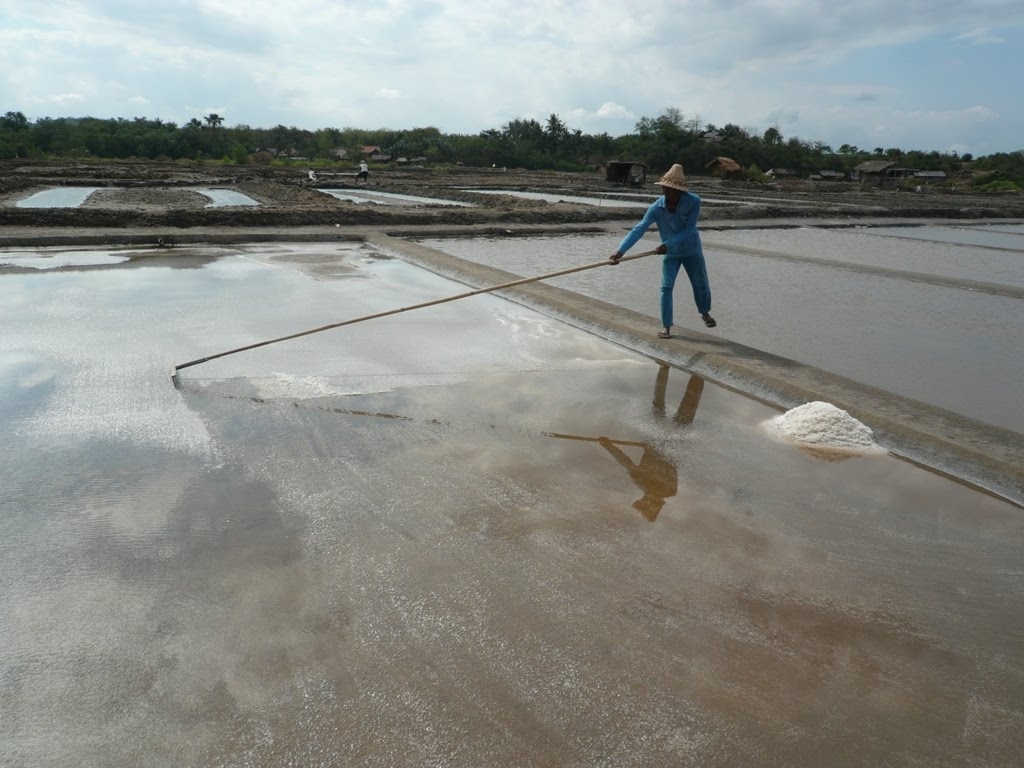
{"x": 674, "y": 178}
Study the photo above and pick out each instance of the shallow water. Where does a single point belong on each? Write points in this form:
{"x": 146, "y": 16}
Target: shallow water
{"x": 221, "y": 198}
{"x": 644, "y": 199}
{"x": 54, "y": 258}
{"x": 467, "y": 536}
{"x": 605, "y": 202}
{"x": 954, "y": 348}
{"x": 982, "y": 236}
{"x": 382, "y": 198}
{"x": 959, "y": 253}
{"x": 73, "y": 197}
{"x": 62, "y": 197}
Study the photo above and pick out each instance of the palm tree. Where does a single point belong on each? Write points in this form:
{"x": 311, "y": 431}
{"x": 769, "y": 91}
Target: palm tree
{"x": 213, "y": 119}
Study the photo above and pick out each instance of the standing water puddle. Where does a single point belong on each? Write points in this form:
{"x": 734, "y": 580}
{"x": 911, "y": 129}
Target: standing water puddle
{"x": 423, "y": 536}
{"x": 550, "y": 198}
{"x": 36, "y": 259}
{"x": 62, "y": 197}
{"x": 382, "y": 198}
{"x": 222, "y": 198}
{"x": 75, "y": 197}
{"x": 643, "y": 199}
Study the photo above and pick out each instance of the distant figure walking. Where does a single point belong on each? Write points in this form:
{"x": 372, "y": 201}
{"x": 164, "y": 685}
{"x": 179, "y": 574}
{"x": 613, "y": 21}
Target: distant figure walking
{"x": 675, "y": 213}
{"x": 364, "y": 173}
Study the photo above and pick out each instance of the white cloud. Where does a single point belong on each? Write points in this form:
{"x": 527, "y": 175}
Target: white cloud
{"x": 810, "y": 66}
{"x": 981, "y": 36}
{"x": 66, "y": 98}
{"x": 614, "y": 111}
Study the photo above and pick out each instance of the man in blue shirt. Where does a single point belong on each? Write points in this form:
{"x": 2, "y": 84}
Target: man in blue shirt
{"x": 675, "y": 213}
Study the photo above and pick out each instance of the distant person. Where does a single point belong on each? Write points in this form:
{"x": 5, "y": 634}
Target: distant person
{"x": 675, "y": 213}
{"x": 364, "y": 173}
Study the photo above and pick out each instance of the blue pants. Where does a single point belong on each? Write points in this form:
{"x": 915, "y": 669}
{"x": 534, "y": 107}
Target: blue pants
{"x": 698, "y": 274}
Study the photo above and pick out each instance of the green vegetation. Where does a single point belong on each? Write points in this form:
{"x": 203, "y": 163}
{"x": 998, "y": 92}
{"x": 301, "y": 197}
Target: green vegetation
{"x": 657, "y": 141}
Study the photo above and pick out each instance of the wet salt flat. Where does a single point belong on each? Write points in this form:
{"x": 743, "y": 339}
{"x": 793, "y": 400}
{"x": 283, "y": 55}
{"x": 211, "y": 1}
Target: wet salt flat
{"x": 607, "y": 202}
{"x": 56, "y": 258}
{"x": 222, "y": 198}
{"x": 953, "y": 347}
{"x": 62, "y": 197}
{"x": 982, "y": 236}
{"x": 73, "y": 197}
{"x": 466, "y": 535}
{"x": 643, "y": 199}
{"x": 974, "y": 253}
{"x": 384, "y": 198}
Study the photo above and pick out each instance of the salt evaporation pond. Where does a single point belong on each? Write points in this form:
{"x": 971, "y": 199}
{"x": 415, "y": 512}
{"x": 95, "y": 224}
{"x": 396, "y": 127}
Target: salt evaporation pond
{"x": 952, "y": 347}
{"x": 958, "y": 253}
{"x": 555, "y": 198}
{"x": 221, "y": 198}
{"x": 382, "y": 198}
{"x": 60, "y": 197}
{"x": 57, "y": 258}
{"x": 74, "y": 197}
{"x": 644, "y": 199}
{"x": 449, "y": 535}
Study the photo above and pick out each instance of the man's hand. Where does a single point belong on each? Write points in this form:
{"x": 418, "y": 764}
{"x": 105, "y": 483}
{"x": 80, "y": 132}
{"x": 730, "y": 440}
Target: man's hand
{"x": 615, "y": 258}
{"x": 662, "y": 249}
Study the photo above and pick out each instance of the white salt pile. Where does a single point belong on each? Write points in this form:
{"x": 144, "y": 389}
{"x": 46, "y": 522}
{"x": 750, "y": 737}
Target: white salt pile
{"x": 824, "y": 429}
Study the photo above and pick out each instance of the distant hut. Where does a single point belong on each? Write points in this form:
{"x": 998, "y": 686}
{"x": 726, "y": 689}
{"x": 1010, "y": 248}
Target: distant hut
{"x": 626, "y": 172}
{"x": 725, "y": 168}
{"x": 880, "y": 173}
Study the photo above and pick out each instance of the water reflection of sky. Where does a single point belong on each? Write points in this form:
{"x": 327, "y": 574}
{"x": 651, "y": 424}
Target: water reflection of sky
{"x": 41, "y": 259}
{"x": 953, "y": 348}
{"x": 258, "y": 561}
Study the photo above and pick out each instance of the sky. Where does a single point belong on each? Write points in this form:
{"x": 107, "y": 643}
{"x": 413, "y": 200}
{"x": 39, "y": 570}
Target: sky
{"x": 931, "y": 75}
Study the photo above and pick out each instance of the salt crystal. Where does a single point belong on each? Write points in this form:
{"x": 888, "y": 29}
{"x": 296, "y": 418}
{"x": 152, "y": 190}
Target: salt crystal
{"x": 824, "y": 426}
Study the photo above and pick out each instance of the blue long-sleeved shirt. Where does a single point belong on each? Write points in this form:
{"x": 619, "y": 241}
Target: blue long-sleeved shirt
{"x": 678, "y": 229}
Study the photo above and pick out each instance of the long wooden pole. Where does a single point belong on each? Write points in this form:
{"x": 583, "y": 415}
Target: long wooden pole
{"x": 374, "y": 316}
{"x": 587, "y": 439}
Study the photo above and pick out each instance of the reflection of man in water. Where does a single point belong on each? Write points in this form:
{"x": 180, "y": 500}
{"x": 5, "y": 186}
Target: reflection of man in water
{"x": 688, "y": 405}
{"x": 655, "y": 474}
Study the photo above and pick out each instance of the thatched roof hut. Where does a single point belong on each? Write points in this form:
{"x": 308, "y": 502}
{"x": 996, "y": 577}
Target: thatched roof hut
{"x": 726, "y": 168}
{"x": 883, "y": 173}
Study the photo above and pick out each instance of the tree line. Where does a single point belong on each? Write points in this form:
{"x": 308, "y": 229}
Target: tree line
{"x": 658, "y": 142}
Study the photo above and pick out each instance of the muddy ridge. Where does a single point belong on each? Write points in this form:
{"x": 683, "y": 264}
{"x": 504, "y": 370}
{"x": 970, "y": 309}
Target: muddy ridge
{"x": 151, "y": 194}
